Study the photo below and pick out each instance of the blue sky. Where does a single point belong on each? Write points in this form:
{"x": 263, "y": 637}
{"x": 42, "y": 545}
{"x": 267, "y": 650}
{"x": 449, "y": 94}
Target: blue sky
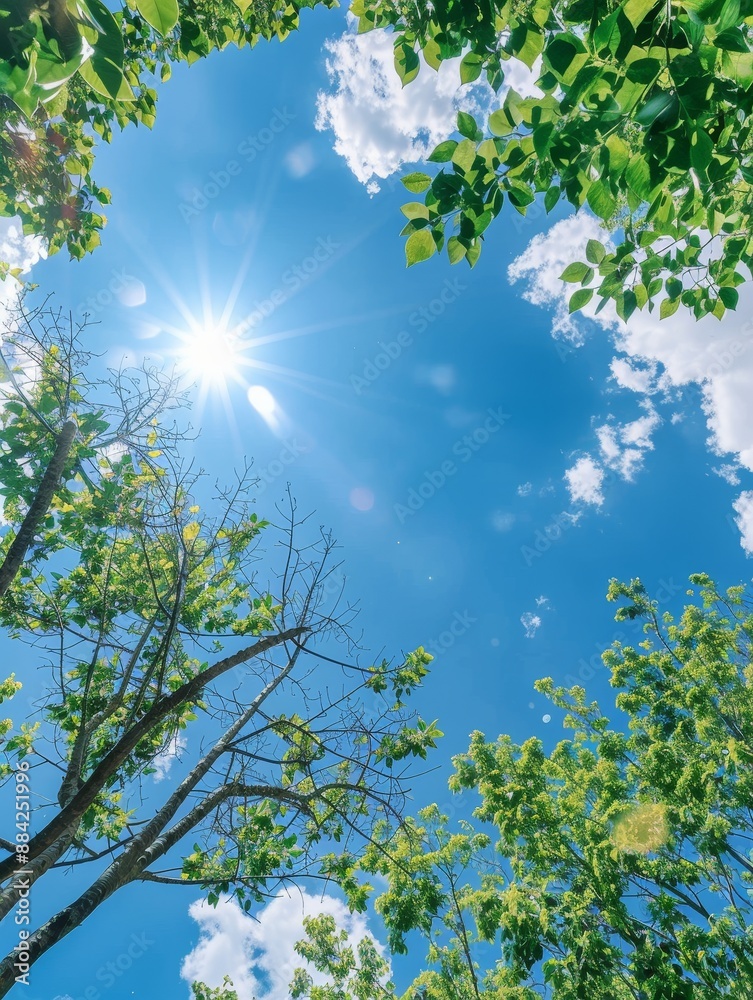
{"x": 538, "y": 466}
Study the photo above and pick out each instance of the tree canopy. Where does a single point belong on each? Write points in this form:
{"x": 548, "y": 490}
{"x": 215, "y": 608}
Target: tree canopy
{"x": 70, "y": 71}
{"x": 616, "y": 866}
{"x": 152, "y": 608}
{"x": 642, "y": 114}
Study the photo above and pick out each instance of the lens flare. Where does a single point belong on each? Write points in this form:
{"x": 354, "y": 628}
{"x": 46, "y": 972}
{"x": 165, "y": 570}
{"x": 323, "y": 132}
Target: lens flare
{"x": 262, "y": 401}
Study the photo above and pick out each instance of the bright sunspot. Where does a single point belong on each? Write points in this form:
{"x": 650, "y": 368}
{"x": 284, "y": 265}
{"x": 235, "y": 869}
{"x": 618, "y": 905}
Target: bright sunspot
{"x": 262, "y": 400}
{"x": 209, "y": 354}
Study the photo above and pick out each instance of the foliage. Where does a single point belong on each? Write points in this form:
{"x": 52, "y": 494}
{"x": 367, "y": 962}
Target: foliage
{"x": 157, "y": 614}
{"x": 225, "y": 992}
{"x": 643, "y": 114}
{"x": 354, "y": 974}
{"x": 71, "y": 68}
{"x": 622, "y": 866}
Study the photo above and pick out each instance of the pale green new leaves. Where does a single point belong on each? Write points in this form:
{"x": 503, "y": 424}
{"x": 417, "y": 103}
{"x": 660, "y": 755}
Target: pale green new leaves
{"x": 622, "y": 862}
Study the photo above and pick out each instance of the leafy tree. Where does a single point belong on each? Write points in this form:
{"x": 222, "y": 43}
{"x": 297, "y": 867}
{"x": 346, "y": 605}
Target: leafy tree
{"x": 157, "y": 613}
{"x": 224, "y": 992}
{"x": 644, "y": 116}
{"x": 621, "y": 867}
{"x": 355, "y": 974}
{"x": 69, "y": 69}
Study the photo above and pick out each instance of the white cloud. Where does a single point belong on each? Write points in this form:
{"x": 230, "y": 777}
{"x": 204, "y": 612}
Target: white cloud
{"x": 524, "y": 489}
{"x": 165, "y": 760}
{"x": 584, "y": 481}
{"x": 729, "y": 474}
{"x": 630, "y": 374}
{"x": 544, "y": 260}
{"x": 19, "y": 251}
{"x": 378, "y": 124}
{"x": 542, "y": 602}
{"x": 622, "y": 446}
{"x": 258, "y": 954}
{"x": 531, "y": 624}
{"x": 652, "y": 358}
{"x": 743, "y": 507}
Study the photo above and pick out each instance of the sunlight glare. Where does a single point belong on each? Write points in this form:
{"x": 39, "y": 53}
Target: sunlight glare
{"x": 262, "y": 401}
{"x": 209, "y": 354}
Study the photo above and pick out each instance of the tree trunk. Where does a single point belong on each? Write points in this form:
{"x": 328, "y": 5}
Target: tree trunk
{"x": 39, "y": 507}
{"x": 112, "y": 761}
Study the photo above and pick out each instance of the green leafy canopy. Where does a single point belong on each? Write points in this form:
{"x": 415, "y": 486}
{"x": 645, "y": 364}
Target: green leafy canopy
{"x": 616, "y": 866}
{"x": 643, "y": 115}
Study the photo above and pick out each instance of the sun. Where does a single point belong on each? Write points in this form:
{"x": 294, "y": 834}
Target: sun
{"x": 209, "y": 354}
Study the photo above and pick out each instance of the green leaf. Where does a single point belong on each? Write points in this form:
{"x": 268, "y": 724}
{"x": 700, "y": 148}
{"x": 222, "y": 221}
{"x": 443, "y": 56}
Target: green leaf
{"x": 644, "y": 70}
{"x": 619, "y": 155}
{"x": 636, "y": 11}
{"x": 576, "y": 272}
{"x": 415, "y": 210}
{"x": 481, "y": 223}
{"x": 658, "y": 105}
{"x": 443, "y": 152}
{"x": 470, "y": 67}
{"x": 607, "y": 35}
{"x": 732, "y": 40}
{"x": 701, "y": 150}
{"x": 416, "y": 182}
{"x": 419, "y": 247}
{"x": 595, "y": 252}
{"x": 103, "y": 71}
{"x": 729, "y": 296}
{"x": 106, "y": 78}
{"x": 529, "y": 48}
{"x": 467, "y": 126}
{"x": 432, "y": 52}
{"x": 566, "y": 55}
{"x": 499, "y": 123}
{"x": 455, "y": 250}
{"x": 668, "y": 308}
{"x": 551, "y": 198}
{"x": 580, "y": 298}
{"x": 465, "y": 154}
{"x": 638, "y": 176}
{"x": 407, "y": 62}
{"x": 601, "y": 200}
{"x": 738, "y": 66}
{"x": 161, "y": 14}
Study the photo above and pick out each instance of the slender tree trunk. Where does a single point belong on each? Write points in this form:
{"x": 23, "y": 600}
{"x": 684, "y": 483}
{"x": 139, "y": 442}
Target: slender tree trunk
{"x": 146, "y": 846}
{"x": 87, "y": 793}
{"x": 58, "y": 926}
{"x": 35, "y": 869}
{"x": 39, "y": 507}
